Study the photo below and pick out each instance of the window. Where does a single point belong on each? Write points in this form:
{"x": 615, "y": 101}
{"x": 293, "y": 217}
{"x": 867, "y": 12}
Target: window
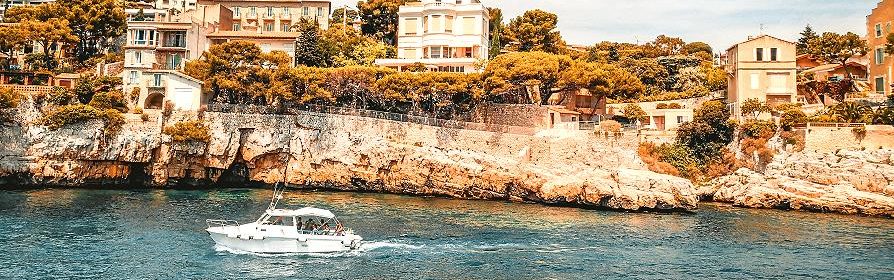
{"x": 468, "y": 25}
{"x": 268, "y": 27}
{"x": 156, "y": 80}
{"x": 755, "y": 81}
{"x": 174, "y": 61}
{"x": 410, "y": 25}
{"x": 449, "y": 26}
{"x": 880, "y": 85}
{"x": 878, "y": 30}
{"x": 319, "y": 11}
{"x": 143, "y": 37}
{"x": 759, "y": 54}
{"x": 270, "y": 11}
{"x": 773, "y": 53}
{"x": 306, "y": 11}
{"x": 253, "y": 12}
{"x": 285, "y": 27}
{"x": 425, "y": 24}
{"x": 138, "y": 57}
{"x": 237, "y": 27}
{"x": 285, "y": 11}
{"x": 879, "y": 55}
{"x": 436, "y": 24}
{"x": 681, "y": 119}
{"x": 132, "y": 78}
{"x": 778, "y": 83}
{"x": 468, "y": 52}
{"x": 436, "y": 52}
{"x": 237, "y": 12}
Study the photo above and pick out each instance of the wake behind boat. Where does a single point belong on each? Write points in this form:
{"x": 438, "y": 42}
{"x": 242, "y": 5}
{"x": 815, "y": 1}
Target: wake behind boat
{"x": 305, "y": 230}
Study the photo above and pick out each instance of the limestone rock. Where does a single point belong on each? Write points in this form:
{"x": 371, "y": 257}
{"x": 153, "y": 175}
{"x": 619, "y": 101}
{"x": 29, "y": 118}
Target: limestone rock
{"x": 352, "y": 154}
{"x": 849, "y": 182}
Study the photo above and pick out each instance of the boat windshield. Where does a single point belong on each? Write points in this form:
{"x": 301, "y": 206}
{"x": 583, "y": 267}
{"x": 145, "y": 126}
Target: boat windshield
{"x": 278, "y": 221}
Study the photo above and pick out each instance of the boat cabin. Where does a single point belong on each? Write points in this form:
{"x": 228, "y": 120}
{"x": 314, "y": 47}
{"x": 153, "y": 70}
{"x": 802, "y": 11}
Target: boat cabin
{"x": 306, "y": 220}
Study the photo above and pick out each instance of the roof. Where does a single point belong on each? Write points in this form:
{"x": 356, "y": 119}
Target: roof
{"x": 303, "y": 212}
{"x": 832, "y": 67}
{"x": 562, "y": 110}
{"x": 68, "y": 76}
{"x": 254, "y": 34}
{"x": 755, "y": 38}
{"x": 178, "y": 73}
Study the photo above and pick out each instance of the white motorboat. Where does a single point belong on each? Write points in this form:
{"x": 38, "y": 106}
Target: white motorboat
{"x": 305, "y": 230}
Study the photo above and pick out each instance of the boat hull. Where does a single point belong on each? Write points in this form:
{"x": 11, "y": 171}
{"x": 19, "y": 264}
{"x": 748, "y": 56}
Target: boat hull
{"x": 303, "y": 243}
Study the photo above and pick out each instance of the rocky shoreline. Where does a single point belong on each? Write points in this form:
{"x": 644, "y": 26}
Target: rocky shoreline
{"x": 345, "y": 153}
{"x": 348, "y": 154}
{"x": 846, "y": 182}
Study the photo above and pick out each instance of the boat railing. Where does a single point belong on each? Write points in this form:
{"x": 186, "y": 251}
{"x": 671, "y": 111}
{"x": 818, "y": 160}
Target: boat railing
{"x": 221, "y": 223}
{"x": 318, "y": 232}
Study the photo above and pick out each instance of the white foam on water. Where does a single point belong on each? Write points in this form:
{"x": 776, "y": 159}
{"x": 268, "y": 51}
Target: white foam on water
{"x": 372, "y": 246}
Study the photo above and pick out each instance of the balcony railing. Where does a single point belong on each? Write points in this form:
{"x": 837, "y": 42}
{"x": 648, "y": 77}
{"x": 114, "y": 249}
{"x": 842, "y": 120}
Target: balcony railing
{"x": 439, "y": 5}
{"x": 174, "y": 43}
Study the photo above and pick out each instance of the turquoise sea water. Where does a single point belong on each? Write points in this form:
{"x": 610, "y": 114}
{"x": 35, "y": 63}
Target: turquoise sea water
{"x": 157, "y": 234}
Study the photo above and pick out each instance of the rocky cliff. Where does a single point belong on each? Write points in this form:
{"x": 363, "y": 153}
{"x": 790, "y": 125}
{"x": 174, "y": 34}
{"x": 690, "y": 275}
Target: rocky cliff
{"x": 849, "y": 182}
{"x": 344, "y": 153}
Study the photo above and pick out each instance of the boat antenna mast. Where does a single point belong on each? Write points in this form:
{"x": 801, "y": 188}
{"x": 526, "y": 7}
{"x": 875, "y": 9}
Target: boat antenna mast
{"x": 277, "y": 189}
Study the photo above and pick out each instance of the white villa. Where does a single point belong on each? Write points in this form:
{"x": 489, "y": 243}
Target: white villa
{"x": 443, "y": 35}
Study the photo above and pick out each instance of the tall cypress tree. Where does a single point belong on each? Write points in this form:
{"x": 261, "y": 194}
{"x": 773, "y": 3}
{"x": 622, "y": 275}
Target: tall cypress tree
{"x": 307, "y": 49}
{"x": 496, "y": 27}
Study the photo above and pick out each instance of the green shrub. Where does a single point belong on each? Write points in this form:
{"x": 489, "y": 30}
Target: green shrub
{"x": 661, "y": 106}
{"x": 759, "y": 129}
{"x": 791, "y": 118}
{"x": 109, "y": 100}
{"x": 674, "y": 106}
{"x": 168, "y": 109}
{"x": 188, "y": 131}
{"x": 785, "y": 107}
{"x": 75, "y": 114}
{"x": 634, "y": 112}
{"x": 9, "y": 98}
{"x": 60, "y": 96}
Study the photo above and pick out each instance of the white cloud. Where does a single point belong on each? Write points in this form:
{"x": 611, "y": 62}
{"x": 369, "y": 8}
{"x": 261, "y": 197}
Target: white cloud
{"x": 721, "y": 23}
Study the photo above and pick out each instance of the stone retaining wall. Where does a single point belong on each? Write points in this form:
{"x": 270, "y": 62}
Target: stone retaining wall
{"x": 832, "y": 139}
{"x": 523, "y": 115}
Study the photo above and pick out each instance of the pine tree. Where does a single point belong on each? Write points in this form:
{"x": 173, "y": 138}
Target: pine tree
{"x": 807, "y": 36}
{"x": 307, "y": 48}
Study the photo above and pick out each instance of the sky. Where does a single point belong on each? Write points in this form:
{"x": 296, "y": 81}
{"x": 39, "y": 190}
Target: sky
{"x": 720, "y": 23}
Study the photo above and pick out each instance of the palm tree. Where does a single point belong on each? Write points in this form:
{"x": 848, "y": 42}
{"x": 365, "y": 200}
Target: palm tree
{"x": 852, "y": 112}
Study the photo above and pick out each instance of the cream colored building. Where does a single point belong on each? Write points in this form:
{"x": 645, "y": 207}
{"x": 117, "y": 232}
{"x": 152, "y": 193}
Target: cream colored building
{"x": 268, "y": 23}
{"x": 761, "y": 68}
{"x": 443, "y": 35}
{"x": 156, "y": 48}
{"x": 274, "y": 15}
